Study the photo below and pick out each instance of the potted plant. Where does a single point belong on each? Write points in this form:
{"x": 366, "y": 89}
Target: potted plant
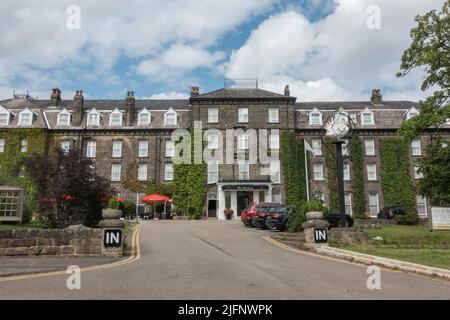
{"x": 113, "y": 209}
{"x": 228, "y": 213}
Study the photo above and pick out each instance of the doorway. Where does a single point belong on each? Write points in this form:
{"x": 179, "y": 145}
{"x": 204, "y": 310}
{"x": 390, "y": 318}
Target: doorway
{"x": 244, "y": 199}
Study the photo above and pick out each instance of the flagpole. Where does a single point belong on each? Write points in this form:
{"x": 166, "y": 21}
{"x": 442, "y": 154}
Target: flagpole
{"x": 306, "y": 170}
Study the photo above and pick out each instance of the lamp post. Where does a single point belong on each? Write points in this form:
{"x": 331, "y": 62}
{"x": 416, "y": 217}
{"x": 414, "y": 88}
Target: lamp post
{"x": 338, "y": 127}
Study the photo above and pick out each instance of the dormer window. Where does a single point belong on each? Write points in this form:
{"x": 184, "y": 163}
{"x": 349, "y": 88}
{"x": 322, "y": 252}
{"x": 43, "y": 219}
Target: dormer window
{"x": 170, "y": 118}
{"x": 93, "y": 118}
{"x": 25, "y": 117}
{"x": 4, "y": 116}
{"x": 144, "y": 118}
{"x": 412, "y": 113}
{"x": 367, "y": 117}
{"x": 115, "y": 119}
{"x": 315, "y": 117}
{"x": 64, "y": 118}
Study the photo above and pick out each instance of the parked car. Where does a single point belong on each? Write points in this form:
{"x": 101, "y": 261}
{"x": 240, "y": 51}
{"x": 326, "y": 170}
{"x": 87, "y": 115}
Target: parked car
{"x": 249, "y": 213}
{"x": 390, "y": 212}
{"x": 333, "y": 220}
{"x": 259, "y": 219}
{"x": 278, "y": 218}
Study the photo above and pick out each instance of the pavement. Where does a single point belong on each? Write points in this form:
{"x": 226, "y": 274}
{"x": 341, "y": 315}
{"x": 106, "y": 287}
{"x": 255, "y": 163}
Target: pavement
{"x": 223, "y": 260}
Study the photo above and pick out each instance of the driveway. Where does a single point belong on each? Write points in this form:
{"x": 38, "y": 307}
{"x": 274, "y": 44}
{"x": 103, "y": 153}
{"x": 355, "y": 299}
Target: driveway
{"x": 224, "y": 260}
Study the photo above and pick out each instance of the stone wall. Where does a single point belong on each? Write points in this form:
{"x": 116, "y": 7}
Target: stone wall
{"x": 348, "y": 235}
{"x": 73, "y": 241}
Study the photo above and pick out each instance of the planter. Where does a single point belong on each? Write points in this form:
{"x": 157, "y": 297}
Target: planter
{"x": 111, "y": 214}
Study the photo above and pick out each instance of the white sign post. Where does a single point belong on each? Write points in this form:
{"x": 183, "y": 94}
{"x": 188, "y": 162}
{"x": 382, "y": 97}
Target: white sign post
{"x": 440, "y": 218}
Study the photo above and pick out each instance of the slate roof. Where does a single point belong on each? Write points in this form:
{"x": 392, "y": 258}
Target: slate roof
{"x": 349, "y": 105}
{"x": 240, "y": 93}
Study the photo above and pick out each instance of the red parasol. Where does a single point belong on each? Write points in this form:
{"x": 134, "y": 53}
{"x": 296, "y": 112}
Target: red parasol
{"x": 155, "y": 198}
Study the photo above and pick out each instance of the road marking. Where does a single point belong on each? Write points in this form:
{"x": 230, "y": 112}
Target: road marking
{"x": 135, "y": 255}
{"x": 286, "y": 247}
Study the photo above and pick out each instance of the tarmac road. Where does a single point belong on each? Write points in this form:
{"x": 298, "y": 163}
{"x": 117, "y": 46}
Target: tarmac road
{"x": 223, "y": 260}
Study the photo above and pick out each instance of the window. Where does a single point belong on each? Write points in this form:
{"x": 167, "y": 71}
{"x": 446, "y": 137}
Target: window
{"x": 63, "y": 118}
{"x": 274, "y": 142}
{"x": 421, "y": 203}
{"x": 213, "y": 115}
{"x": 369, "y": 145}
{"x": 213, "y": 141}
{"x": 316, "y": 145}
{"x": 315, "y": 117}
{"x": 25, "y": 118}
{"x": 371, "y": 172}
{"x": 273, "y": 115}
{"x": 417, "y": 174}
{"x": 276, "y": 197}
{"x": 2, "y": 145}
{"x": 65, "y": 146}
{"x": 143, "y": 148}
{"x": 170, "y": 118}
{"x": 91, "y": 149}
{"x": 243, "y": 115}
{"x": 373, "y": 204}
{"x": 23, "y": 145}
{"x": 275, "y": 171}
{"x": 242, "y": 142}
{"x": 412, "y": 113}
{"x": 346, "y": 172}
{"x": 416, "y": 148}
{"x": 4, "y": 117}
{"x": 318, "y": 171}
{"x": 142, "y": 172}
{"x": 213, "y": 171}
{"x": 367, "y": 117}
{"x": 170, "y": 148}
{"x": 345, "y": 148}
{"x": 144, "y": 118}
{"x": 116, "y": 172}
{"x": 117, "y": 149}
{"x": 93, "y": 118}
{"x": 115, "y": 118}
{"x": 348, "y": 204}
{"x": 168, "y": 172}
{"x": 243, "y": 170}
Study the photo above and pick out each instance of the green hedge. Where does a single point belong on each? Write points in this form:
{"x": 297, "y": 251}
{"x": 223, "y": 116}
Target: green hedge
{"x": 359, "y": 199}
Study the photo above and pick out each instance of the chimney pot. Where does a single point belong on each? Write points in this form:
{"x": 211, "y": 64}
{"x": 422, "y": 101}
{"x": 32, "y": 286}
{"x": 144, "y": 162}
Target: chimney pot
{"x": 376, "y": 97}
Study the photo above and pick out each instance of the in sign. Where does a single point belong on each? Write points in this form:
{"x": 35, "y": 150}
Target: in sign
{"x": 112, "y": 238}
{"x": 320, "y": 235}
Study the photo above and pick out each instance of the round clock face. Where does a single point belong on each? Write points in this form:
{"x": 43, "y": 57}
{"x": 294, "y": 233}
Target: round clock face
{"x": 337, "y": 126}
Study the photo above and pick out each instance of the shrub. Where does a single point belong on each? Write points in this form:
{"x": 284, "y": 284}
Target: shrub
{"x": 114, "y": 204}
{"x": 409, "y": 219}
{"x": 298, "y": 215}
{"x": 128, "y": 208}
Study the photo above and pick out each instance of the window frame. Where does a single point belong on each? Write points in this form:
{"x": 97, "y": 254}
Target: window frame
{"x": 170, "y": 112}
{"x": 166, "y": 172}
{"x": 172, "y": 149}
{"x": 317, "y": 147}
{"x": 95, "y": 113}
{"x": 115, "y": 142}
{"x": 63, "y": 112}
{"x": 418, "y": 147}
{"x": 93, "y": 147}
{"x": 244, "y": 175}
{"x": 21, "y": 118}
{"x": 213, "y": 118}
{"x": 144, "y": 112}
{"x": 276, "y": 145}
{"x": 2, "y": 145}
{"x": 315, "y": 172}
{"x": 243, "y": 114}
{"x": 372, "y": 145}
{"x": 276, "y": 119}
{"x": 367, "y": 111}
{"x": 215, "y": 178}
{"x": 315, "y": 112}
{"x": 376, "y": 195}
{"x": 119, "y": 173}
{"x": 140, "y": 174}
{"x": 139, "y": 148}
{"x": 372, "y": 165}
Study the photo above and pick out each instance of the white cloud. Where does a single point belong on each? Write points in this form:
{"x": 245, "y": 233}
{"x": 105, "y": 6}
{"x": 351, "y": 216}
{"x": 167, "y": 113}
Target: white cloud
{"x": 337, "y": 58}
{"x": 170, "y": 95}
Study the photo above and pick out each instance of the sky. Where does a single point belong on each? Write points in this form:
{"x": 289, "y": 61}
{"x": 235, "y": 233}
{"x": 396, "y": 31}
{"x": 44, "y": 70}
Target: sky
{"x": 325, "y": 50}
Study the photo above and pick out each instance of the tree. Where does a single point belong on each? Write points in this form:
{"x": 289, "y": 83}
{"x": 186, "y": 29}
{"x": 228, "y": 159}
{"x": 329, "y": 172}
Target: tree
{"x": 70, "y": 191}
{"x": 435, "y": 166}
{"x": 430, "y": 50}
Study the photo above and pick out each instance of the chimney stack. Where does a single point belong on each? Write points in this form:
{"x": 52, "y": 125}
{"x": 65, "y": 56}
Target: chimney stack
{"x": 56, "y": 97}
{"x": 77, "y": 114}
{"x": 287, "y": 91}
{"x": 377, "y": 98}
{"x": 130, "y": 108}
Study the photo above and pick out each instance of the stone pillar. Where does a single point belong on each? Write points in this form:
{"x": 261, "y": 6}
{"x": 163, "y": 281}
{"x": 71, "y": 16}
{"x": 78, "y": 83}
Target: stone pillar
{"x": 112, "y": 233}
{"x": 221, "y": 206}
{"x": 269, "y": 194}
{"x": 316, "y": 230}
{"x": 234, "y": 203}
{"x": 256, "y": 195}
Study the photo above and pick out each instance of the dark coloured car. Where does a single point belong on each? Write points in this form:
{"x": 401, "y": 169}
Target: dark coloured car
{"x": 390, "y": 212}
{"x": 249, "y": 213}
{"x": 259, "y": 219}
{"x": 278, "y": 218}
{"x": 333, "y": 220}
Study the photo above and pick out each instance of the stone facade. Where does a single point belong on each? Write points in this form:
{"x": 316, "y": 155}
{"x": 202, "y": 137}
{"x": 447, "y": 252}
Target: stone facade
{"x": 373, "y": 119}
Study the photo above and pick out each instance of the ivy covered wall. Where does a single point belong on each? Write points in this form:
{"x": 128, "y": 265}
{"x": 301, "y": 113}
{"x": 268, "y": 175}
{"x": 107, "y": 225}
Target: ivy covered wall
{"x": 395, "y": 174}
{"x": 332, "y": 179}
{"x": 293, "y": 162}
{"x": 12, "y": 156}
{"x": 358, "y": 190}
